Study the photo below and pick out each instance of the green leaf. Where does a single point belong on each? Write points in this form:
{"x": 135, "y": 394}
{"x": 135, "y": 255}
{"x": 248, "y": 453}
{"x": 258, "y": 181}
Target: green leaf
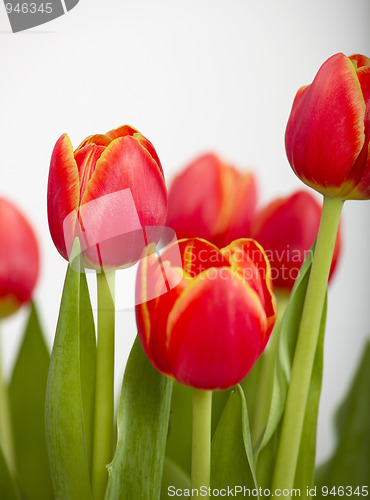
{"x": 180, "y": 427}
{"x": 287, "y": 332}
{"x": 219, "y": 401}
{"x": 250, "y": 386}
{"x": 8, "y": 487}
{"x": 232, "y": 457}
{"x": 69, "y": 391}
{"x": 349, "y": 465}
{"x": 27, "y": 406}
{"x": 173, "y": 476}
{"x": 142, "y": 421}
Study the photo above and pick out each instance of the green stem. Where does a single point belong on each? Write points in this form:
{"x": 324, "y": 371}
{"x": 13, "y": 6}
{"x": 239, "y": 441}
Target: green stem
{"x": 6, "y": 440}
{"x": 104, "y": 389}
{"x": 266, "y": 378}
{"x": 201, "y": 448}
{"x": 292, "y": 426}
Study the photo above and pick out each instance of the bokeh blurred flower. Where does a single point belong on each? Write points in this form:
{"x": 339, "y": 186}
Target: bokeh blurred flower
{"x": 110, "y": 192}
{"x": 210, "y": 199}
{"x": 287, "y": 228}
{"x": 19, "y": 259}
{"x": 328, "y": 132}
{"x": 204, "y": 315}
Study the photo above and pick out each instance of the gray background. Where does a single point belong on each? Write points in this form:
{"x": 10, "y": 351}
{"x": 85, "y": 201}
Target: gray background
{"x": 192, "y": 76}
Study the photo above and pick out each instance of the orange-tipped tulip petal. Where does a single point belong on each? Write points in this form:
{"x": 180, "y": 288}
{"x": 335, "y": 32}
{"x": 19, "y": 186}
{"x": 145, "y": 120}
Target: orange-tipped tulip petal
{"x": 19, "y": 259}
{"x": 209, "y": 329}
{"x": 327, "y": 135}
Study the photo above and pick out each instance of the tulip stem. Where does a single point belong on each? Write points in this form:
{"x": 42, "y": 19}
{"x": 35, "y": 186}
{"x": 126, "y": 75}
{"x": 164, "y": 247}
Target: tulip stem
{"x": 104, "y": 385}
{"x": 201, "y": 447}
{"x": 295, "y": 408}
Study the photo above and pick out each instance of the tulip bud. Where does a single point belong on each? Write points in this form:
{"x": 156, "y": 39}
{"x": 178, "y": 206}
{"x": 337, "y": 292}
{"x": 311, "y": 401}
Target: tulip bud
{"x": 212, "y": 200}
{"x": 19, "y": 259}
{"x": 287, "y": 228}
{"x": 328, "y": 132}
{"x": 209, "y": 329}
{"x": 110, "y": 192}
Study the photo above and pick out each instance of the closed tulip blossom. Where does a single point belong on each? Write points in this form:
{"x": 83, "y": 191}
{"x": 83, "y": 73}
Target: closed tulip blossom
{"x": 287, "y": 228}
{"x": 327, "y": 144}
{"x": 205, "y": 315}
{"x": 110, "y": 192}
{"x": 328, "y": 132}
{"x": 210, "y": 199}
{"x": 19, "y": 259}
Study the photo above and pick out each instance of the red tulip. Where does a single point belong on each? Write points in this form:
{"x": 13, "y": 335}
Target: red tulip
{"x": 212, "y": 200}
{"x": 205, "y": 315}
{"x": 328, "y": 132}
{"x": 110, "y": 192}
{"x": 19, "y": 259}
{"x": 286, "y": 229}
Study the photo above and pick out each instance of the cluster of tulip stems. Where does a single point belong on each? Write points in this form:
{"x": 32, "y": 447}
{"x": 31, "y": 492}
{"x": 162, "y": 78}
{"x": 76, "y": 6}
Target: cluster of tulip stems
{"x": 222, "y": 386}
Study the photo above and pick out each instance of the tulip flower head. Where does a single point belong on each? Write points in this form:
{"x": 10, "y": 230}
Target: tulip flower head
{"x": 204, "y": 315}
{"x": 110, "y": 192}
{"x": 287, "y": 228}
{"x": 328, "y": 132}
{"x": 212, "y": 200}
{"x": 19, "y": 259}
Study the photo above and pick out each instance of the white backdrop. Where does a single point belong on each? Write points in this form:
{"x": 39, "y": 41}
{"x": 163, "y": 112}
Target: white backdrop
{"x": 192, "y": 76}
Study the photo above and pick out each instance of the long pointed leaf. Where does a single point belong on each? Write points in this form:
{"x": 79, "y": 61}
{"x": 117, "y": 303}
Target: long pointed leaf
{"x": 173, "y": 478}
{"x": 70, "y": 373}
{"x": 180, "y": 427}
{"x": 143, "y": 416}
{"x": 232, "y": 457}
{"x": 27, "y": 406}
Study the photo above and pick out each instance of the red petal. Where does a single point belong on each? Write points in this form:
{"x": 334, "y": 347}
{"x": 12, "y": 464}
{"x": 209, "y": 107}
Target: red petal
{"x": 359, "y": 60}
{"x": 63, "y": 193}
{"x": 361, "y": 169}
{"x": 97, "y": 139}
{"x": 216, "y": 331}
{"x": 250, "y": 262}
{"x": 125, "y": 194}
{"x": 86, "y": 159}
{"x": 362, "y": 188}
{"x": 325, "y": 131}
{"x": 286, "y": 229}
{"x": 106, "y": 139}
{"x": 157, "y": 288}
{"x": 244, "y": 207}
{"x": 149, "y": 147}
{"x": 195, "y": 199}
{"x": 19, "y": 258}
{"x": 123, "y": 131}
